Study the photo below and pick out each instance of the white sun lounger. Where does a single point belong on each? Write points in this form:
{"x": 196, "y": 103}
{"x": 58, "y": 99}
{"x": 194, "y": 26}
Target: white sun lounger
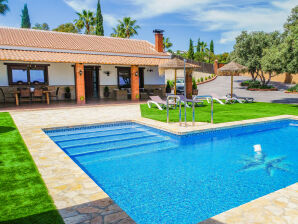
{"x": 159, "y": 103}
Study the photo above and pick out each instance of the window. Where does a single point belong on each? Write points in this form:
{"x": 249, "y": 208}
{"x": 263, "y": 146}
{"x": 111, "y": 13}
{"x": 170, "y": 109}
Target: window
{"x": 27, "y": 74}
{"x": 124, "y": 78}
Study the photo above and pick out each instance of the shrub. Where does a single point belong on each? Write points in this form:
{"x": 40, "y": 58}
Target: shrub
{"x": 170, "y": 83}
{"x": 194, "y": 84}
{"x": 294, "y": 88}
{"x": 206, "y": 78}
{"x": 209, "y": 77}
{"x": 202, "y": 79}
{"x": 67, "y": 89}
{"x": 249, "y": 82}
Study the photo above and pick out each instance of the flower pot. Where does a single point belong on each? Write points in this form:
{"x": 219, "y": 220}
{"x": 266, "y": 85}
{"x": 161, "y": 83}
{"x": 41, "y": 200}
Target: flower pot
{"x": 67, "y": 95}
{"x": 195, "y": 92}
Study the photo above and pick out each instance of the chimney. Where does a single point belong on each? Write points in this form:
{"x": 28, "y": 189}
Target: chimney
{"x": 158, "y": 40}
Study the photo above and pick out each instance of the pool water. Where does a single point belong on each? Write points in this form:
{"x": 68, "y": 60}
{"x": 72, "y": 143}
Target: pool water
{"x": 157, "y": 177}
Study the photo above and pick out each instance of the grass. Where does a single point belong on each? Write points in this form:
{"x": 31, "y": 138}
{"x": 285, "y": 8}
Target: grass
{"x": 222, "y": 113}
{"x": 24, "y": 197}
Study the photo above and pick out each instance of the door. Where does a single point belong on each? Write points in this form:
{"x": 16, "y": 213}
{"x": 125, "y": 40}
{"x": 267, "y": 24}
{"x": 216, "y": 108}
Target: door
{"x": 91, "y": 82}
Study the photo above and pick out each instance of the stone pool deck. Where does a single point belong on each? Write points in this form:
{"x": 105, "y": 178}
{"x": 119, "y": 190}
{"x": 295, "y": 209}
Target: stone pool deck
{"x": 80, "y": 200}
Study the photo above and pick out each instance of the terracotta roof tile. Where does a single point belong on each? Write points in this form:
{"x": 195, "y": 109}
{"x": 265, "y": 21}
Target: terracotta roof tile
{"x": 17, "y": 37}
{"x": 37, "y": 56}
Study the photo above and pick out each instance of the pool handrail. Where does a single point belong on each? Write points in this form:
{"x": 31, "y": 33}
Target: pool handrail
{"x": 179, "y": 100}
{"x": 204, "y": 97}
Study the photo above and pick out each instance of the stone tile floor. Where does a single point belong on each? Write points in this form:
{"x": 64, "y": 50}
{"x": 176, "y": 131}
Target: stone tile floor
{"x": 80, "y": 200}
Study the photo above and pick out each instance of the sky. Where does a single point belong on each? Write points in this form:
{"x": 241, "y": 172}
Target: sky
{"x": 217, "y": 20}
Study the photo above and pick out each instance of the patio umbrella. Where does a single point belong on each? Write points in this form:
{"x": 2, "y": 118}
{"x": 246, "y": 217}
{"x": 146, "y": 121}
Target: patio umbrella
{"x": 176, "y": 64}
{"x": 233, "y": 68}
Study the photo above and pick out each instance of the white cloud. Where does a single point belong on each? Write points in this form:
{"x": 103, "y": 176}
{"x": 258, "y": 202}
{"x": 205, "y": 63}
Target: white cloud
{"x": 229, "y": 17}
{"x": 79, "y": 5}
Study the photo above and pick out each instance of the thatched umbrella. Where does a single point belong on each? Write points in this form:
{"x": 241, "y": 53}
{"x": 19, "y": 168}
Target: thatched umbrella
{"x": 176, "y": 64}
{"x": 233, "y": 68}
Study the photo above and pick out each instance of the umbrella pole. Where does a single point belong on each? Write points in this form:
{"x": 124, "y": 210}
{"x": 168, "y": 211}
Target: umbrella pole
{"x": 232, "y": 80}
{"x": 175, "y": 87}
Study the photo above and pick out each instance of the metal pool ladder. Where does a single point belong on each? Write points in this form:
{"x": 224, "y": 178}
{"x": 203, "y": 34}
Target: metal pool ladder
{"x": 193, "y": 107}
{"x": 174, "y": 97}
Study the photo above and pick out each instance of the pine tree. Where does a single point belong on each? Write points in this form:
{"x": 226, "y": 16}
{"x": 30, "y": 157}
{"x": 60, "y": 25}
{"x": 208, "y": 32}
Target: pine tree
{"x": 199, "y": 45}
{"x": 191, "y": 54}
{"x": 25, "y": 18}
{"x": 99, "y": 21}
{"x": 212, "y": 46}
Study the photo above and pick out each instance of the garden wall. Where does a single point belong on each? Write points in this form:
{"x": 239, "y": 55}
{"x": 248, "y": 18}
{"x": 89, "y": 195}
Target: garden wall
{"x": 284, "y": 78}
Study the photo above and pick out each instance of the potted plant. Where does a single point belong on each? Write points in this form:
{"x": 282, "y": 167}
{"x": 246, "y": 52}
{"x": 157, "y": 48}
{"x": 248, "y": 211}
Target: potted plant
{"x": 67, "y": 94}
{"x": 168, "y": 87}
{"x": 194, "y": 87}
{"x": 106, "y": 92}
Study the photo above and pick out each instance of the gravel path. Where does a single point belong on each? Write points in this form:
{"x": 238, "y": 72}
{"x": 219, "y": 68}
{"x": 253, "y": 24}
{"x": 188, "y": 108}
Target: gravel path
{"x": 222, "y": 84}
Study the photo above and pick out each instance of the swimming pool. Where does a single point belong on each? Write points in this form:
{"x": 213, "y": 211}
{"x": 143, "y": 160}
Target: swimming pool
{"x": 158, "y": 177}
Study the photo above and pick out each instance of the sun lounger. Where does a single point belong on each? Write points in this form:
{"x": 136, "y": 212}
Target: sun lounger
{"x": 186, "y": 101}
{"x": 244, "y": 99}
{"x": 226, "y": 99}
{"x": 159, "y": 103}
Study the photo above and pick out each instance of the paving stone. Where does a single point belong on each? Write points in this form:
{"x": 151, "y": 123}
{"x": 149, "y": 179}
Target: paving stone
{"x": 88, "y": 210}
{"x": 115, "y": 217}
{"x": 76, "y": 219}
{"x": 97, "y": 220}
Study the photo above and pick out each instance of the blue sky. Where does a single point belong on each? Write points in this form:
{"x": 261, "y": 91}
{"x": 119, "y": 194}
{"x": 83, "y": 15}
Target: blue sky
{"x": 208, "y": 20}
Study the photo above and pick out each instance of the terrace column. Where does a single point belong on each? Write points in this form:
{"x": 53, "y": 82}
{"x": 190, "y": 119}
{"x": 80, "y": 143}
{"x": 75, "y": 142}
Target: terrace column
{"x": 80, "y": 83}
{"x": 135, "y": 94}
{"x": 188, "y": 83}
{"x": 215, "y": 67}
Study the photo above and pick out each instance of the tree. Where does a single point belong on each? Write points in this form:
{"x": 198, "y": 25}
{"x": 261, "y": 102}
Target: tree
{"x": 191, "y": 54}
{"x": 167, "y": 44}
{"x": 126, "y": 28}
{"x": 25, "y": 18}
{"x": 118, "y": 32}
{"x": 67, "y": 28}
{"x": 212, "y": 46}
{"x": 199, "y": 45}
{"x": 86, "y": 20}
{"x": 3, "y": 7}
{"x": 39, "y": 26}
{"x": 289, "y": 45}
{"x": 99, "y": 21}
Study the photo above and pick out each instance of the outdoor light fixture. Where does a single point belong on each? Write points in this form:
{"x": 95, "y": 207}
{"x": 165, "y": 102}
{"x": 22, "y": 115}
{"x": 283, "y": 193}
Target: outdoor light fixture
{"x": 149, "y": 70}
{"x": 81, "y": 72}
{"x": 107, "y": 73}
{"x": 136, "y": 74}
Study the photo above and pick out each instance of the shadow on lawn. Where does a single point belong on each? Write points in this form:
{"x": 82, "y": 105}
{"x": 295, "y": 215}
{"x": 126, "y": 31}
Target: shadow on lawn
{"x": 4, "y": 129}
{"x": 286, "y": 100}
{"x": 50, "y": 217}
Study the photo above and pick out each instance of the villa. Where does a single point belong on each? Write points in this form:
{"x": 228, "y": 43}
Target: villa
{"x": 84, "y": 63}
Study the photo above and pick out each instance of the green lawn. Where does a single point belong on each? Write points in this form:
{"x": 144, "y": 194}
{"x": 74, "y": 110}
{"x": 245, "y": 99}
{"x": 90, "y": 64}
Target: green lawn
{"x": 24, "y": 198}
{"x": 222, "y": 113}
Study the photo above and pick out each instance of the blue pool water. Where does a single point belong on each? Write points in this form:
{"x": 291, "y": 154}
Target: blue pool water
{"x": 157, "y": 177}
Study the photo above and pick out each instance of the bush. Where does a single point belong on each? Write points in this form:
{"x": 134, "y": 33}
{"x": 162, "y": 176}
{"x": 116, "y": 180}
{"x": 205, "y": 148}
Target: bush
{"x": 206, "y": 78}
{"x": 293, "y": 89}
{"x": 170, "y": 83}
{"x": 250, "y": 82}
{"x": 202, "y": 79}
{"x": 209, "y": 77}
{"x": 194, "y": 84}
{"x": 257, "y": 85}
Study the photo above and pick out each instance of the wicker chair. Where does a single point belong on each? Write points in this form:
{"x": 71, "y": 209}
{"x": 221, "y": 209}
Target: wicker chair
{"x": 54, "y": 92}
{"x": 37, "y": 94}
{"x": 25, "y": 94}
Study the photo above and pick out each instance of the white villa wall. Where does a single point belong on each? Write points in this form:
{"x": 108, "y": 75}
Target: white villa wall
{"x": 61, "y": 74}
{"x": 3, "y": 75}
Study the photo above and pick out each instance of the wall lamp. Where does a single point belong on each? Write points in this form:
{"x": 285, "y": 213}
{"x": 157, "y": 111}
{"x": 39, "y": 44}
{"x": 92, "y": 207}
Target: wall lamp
{"x": 107, "y": 73}
{"x": 136, "y": 74}
{"x": 149, "y": 70}
{"x": 81, "y": 72}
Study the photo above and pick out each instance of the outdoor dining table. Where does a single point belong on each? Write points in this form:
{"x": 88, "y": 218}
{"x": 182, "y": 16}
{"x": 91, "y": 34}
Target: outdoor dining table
{"x": 46, "y": 92}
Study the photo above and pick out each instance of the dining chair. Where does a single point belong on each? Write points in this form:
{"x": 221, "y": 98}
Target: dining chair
{"x": 37, "y": 94}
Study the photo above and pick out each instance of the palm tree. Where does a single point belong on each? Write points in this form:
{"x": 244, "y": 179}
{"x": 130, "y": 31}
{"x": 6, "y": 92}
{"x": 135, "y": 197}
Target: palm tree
{"x": 3, "y": 7}
{"x": 166, "y": 43}
{"x": 118, "y": 32}
{"x": 127, "y": 27}
{"x": 87, "y": 20}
